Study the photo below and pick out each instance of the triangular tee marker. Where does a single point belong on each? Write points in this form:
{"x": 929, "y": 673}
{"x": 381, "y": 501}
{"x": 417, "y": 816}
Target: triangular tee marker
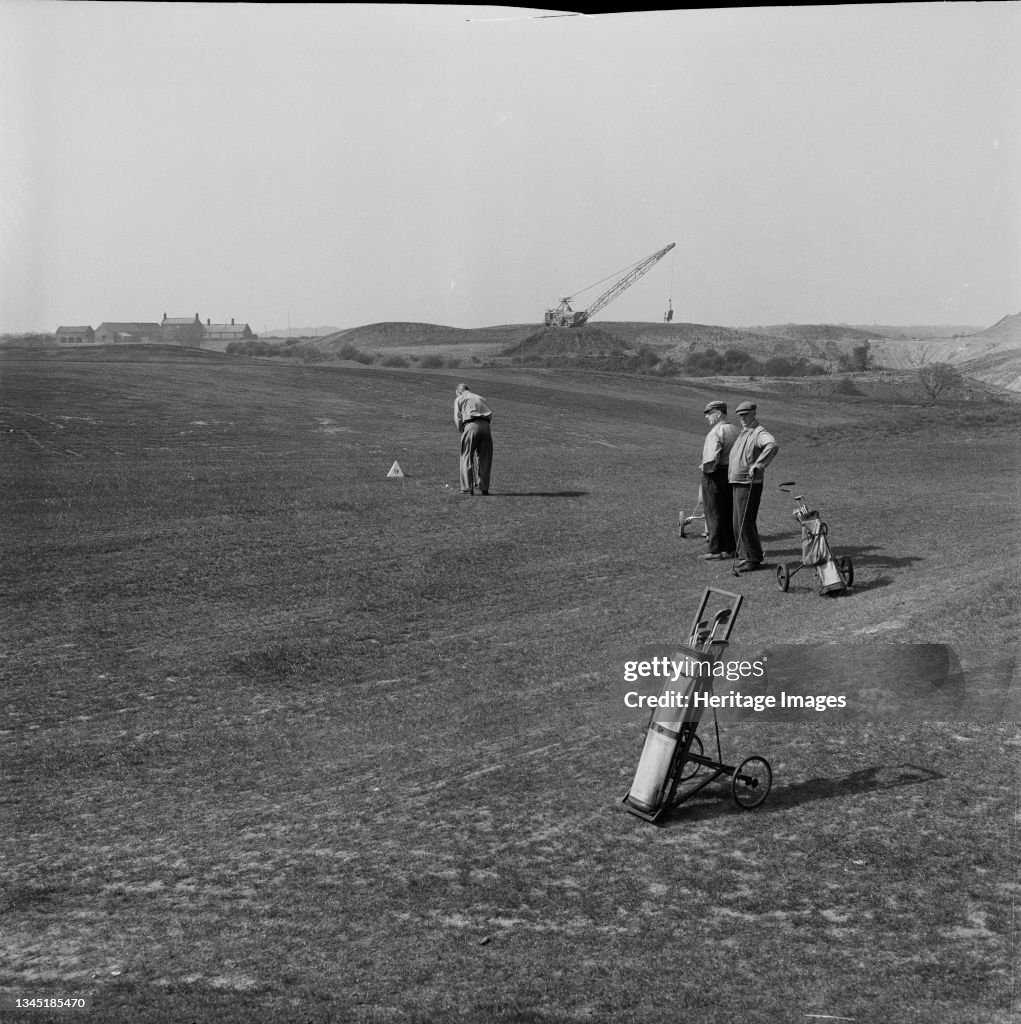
{"x": 395, "y": 470}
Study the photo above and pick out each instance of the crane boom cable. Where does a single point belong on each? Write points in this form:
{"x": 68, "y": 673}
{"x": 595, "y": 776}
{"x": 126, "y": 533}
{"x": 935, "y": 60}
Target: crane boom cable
{"x": 617, "y": 273}
{"x": 639, "y": 270}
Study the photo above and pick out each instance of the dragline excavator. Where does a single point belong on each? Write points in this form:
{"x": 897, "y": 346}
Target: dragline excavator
{"x": 564, "y": 316}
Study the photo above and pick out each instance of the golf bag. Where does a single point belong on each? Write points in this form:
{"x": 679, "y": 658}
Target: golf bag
{"x": 834, "y": 575}
{"x": 815, "y": 551}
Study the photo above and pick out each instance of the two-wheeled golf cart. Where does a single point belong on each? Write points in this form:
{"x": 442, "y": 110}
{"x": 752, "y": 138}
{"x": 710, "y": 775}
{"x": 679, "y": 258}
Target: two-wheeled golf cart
{"x": 673, "y": 754}
{"x": 833, "y": 575}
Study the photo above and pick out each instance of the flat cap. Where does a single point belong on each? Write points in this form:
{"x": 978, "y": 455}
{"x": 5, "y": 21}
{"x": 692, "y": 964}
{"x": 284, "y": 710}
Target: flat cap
{"x": 712, "y": 406}
{"x": 746, "y": 407}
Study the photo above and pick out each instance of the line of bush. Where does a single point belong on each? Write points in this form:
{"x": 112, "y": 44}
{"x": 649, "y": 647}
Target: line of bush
{"x": 346, "y": 351}
{"x": 253, "y": 347}
{"x": 732, "y": 362}
{"x": 735, "y": 362}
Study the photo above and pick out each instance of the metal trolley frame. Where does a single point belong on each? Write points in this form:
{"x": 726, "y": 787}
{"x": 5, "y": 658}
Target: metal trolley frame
{"x": 698, "y": 514}
{"x": 752, "y": 778}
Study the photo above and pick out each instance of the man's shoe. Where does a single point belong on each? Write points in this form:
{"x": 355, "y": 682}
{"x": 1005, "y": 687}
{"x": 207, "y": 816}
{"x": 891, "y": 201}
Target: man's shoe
{"x": 747, "y": 565}
{"x": 714, "y": 556}
{"x": 486, "y": 493}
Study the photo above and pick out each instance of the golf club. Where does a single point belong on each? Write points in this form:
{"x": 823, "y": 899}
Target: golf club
{"x": 721, "y": 618}
{"x": 734, "y": 571}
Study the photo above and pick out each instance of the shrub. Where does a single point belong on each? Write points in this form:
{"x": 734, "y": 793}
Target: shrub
{"x": 779, "y": 366}
{"x": 939, "y": 377}
{"x": 432, "y": 362}
{"x": 667, "y": 368}
{"x": 782, "y": 366}
{"x": 703, "y": 364}
{"x": 252, "y": 348}
{"x": 349, "y": 351}
{"x": 394, "y": 361}
{"x": 858, "y": 361}
{"x": 738, "y": 363}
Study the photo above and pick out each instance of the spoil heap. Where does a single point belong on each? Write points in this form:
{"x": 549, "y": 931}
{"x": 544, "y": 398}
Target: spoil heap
{"x": 568, "y": 343}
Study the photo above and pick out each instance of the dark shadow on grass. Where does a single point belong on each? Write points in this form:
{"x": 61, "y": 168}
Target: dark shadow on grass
{"x": 804, "y": 581}
{"x": 867, "y": 780}
{"x": 860, "y": 586}
{"x": 716, "y": 800}
{"x": 537, "y": 494}
{"x": 860, "y": 556}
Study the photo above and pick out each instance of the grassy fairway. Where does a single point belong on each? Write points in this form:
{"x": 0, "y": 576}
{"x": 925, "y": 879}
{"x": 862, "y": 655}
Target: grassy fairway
{"x": 286, "y": 740}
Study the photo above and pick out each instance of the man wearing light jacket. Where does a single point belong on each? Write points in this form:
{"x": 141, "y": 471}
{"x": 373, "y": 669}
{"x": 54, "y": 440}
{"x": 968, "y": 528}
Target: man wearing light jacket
{"x": 472, "y": 416}
{"x": 754, "y": 449}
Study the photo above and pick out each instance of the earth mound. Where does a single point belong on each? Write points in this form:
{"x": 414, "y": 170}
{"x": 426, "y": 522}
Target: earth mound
{"x": 1006, "y": 331}
{"x": 992, "y": 356}
{"x": 394, "y": 335}
{"x": 570, "y": 342}
{"x": 819, "y": 333}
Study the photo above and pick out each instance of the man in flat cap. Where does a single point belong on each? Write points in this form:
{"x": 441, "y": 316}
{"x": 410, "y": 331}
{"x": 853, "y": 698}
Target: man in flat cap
{"x": 472, "y": 416}
{"x": 717, "y": 500}
{"x": 754, "y": 449}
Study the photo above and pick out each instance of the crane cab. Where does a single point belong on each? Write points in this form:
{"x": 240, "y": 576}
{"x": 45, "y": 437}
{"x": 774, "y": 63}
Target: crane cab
{"x": 564, "y": 316}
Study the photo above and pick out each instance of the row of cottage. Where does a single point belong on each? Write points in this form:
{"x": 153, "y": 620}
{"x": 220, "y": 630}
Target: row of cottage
{"x": 169, "y": 331}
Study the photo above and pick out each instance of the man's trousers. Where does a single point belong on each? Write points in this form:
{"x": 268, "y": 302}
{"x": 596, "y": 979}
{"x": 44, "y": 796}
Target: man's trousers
{"x": 746, "y": 509}
{"x": 476, "y": 455}
{"x": 718, "y": 505}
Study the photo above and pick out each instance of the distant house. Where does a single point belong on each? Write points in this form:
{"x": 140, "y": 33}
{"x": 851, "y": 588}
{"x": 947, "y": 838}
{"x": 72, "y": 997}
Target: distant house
{"x": 182, "y": 330}
{"x": 117, "y": 333}
{"x": 228, "y": 332}
{"x": 76, "y": 336}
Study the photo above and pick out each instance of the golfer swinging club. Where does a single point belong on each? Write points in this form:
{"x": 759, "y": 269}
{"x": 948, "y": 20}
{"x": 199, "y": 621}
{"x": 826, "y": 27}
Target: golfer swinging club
{"x": 754, "y": 449}
{"x": 472, "y": 416}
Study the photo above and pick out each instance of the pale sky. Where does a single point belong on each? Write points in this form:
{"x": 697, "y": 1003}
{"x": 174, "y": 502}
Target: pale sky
{"x": 348, "y": 164}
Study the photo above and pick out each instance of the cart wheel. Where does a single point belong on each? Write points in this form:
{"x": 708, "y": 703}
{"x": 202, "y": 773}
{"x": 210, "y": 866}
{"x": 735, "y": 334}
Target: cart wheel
{"x": 751, "y": 782}
{"x": 783, "y": 578}
{"x": 847, "y": 569}
{"x": 689, "y": 769}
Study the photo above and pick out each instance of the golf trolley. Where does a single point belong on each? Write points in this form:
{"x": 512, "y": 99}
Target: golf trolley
{"x": 673, "y": 753}
{"x": 697, "y": 514}
{"x": 833, "y": 575}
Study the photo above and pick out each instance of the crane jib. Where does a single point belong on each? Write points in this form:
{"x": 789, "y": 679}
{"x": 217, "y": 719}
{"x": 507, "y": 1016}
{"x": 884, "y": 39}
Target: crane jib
{"x": 564, "y": 316}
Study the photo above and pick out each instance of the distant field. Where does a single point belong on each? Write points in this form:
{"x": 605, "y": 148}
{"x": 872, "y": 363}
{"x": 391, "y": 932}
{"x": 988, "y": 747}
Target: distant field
{"x": 286, "y": 740}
